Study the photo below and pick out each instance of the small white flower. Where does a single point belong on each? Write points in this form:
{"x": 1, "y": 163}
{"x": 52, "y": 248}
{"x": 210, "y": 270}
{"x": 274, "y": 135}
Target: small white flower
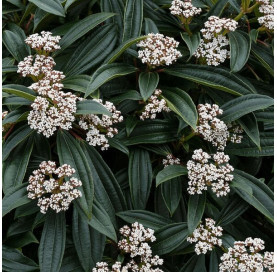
{"x": 154, "y": 105}
{"x": 203, "y": 173}
{"x": 48, "y": 186}
{"x": 205, "y": 237}
{"x": 158, "y": 50}
{"x": 170, "y": 160}
{"x": 44, "y": 42}
{"x": 184, "y": 8}
{"x": 99, "y": 128}
{"x": 267, "y": 20}
{"x": 245, "y": 256}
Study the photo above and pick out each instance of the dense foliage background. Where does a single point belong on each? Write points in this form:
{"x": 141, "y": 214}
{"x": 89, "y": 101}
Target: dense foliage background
{"x": 127, "y": 183}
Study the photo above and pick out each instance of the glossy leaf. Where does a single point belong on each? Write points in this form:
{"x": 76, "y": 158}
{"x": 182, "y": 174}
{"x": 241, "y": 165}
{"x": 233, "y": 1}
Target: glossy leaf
{"x": 108, "y": 72}
{"x": 192, "y": 42}
{"x": 181, "y": 103}
{"x": 52, "y": 243}
{"x": 148, "y": 82}
{"x": 91, "y": 107}
{"x": 240, "y": 46}
{"x": 170, "y": 172}
{"x": 140, "y": 177}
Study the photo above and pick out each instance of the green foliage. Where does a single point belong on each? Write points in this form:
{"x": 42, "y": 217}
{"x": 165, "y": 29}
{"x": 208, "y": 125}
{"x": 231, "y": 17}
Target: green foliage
{"x": 128, "y": 183}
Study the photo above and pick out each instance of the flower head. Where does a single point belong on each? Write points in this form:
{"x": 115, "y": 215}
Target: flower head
{"x": 184, "y": 8}
{"x": 267, "y": 9}
{"x": 99, "y": 128}
{"x": 206, "y": 237}
{"x": 44, "y": 42}
{"x": 158, "y": 50}
{"x": 205, "y": 171}
{"x": 48, "y": 186}
{"x": 245, "y": 256}
{"x": 155, "y": 104}
{"x": 170, "y": 160}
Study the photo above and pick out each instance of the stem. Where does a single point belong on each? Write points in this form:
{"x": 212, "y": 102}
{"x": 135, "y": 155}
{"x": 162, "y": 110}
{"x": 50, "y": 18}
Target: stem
{"x": 185, "y": 139}
{"x": 252, "y": 8}
{"x": 188, "y": 29}
{"x": 253, "y": 72}
{"x": 9, "y": 132}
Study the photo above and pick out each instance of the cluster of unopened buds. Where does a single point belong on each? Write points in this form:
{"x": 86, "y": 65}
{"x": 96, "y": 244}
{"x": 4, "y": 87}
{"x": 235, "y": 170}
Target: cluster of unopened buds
{"x": 52, "y": 108}
{"x": 158, "y": 50}
{"x": 99, "y": 128}
{"x": 209, "y": 171}
{"x": 184, "y": 9}
{"x": 171, "y": 160}
{"x": 213, "y": 129}
{"x": 206, "y": 237}
{"x": 213, "y": 46}
{"x": 47, "y": 184}
{"x": 245, "y": 256}
{"x": 267, "y": 9}
{"x": 135, "y": 243}
{"x": 155, "y": 104}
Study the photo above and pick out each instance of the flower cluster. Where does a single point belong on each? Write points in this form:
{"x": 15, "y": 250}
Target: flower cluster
{"x": 267, "y": 8}
{"x": 206, "y": 237}
{"x": 245, "y": 256}
{"x": 213, "y": 129}
{"x": 184, "y": 8}
{"x": 44, "y": 42}
{"x": 48, "y": 186}
{"x": 158, "y": 50}
{"x": 170, "y": 160}
{"x": 135, "y": 243}
{"x": 213, "y": 46}
{"x": 52, "y": 108}
{"x": 155, "y": 105}
{"x": 101, "y": 127}
{"x": 203, "y": 173}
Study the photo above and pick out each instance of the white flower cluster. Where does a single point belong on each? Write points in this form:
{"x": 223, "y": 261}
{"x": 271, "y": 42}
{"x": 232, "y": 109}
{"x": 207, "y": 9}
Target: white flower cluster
{"x": 154, "y": 106}
{"x": 267, "y": 8}
{"x": 184, "y": 8}
{"x": 135, "y": 242}
{"x": 158, "y": 50}
{"x": 203, "y": 173}
{"x": 48, "y": 186}
{"x": 206, "y": 237}
{"x": 245, "y": 256}
{"x": 213, "y": 46}
{"x": 213, "y": 129}
{"x": 52, "y": 108}
{"x": 101, "y": 127}
{"x": 44, "y": 42}
{"x": 170, "y": 160}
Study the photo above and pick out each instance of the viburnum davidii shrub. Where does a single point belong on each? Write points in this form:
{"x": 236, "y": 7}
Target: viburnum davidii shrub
{"x": 137, "y": 135}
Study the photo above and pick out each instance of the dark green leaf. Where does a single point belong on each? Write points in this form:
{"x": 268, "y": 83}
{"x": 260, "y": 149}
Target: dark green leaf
{"x": 148, "y": 82}
{"x": 70, "y": 152}
{"x": 261, "y": 197}
{"x": 196, "y": 207}
{"x": 52, "y": 6}
{"x": 140, "y": 177}
{"x": 91, "y": 107}
{"x": 14, "y": 260}
{"x": 88, "y": 242}
{"x": 108, "y": 72}
{"x": 146, "y": 218}
{"x": 170, "y": 172}
{"x": 192, "y": 42}
{"x": 243, "y": 105}
{"x": 195, "y": 264}
{"x": 133, "y": 16}
{"x": 15, "y": 197}
{"x": 170, "y": 237}
{"x": 14, "y": 168}
{"x": 240, "y": 46}
{"x": 81, "y": 28}
{"x": 213, "y": 77}
{"x": 52, "y": 243}
{"x": 181, "y": 103}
